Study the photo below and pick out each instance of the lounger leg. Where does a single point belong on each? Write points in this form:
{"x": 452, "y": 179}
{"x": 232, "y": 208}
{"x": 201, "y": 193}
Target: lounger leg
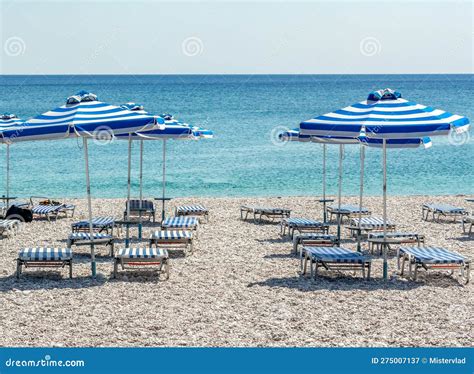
{"x": 305, "y": 265}
{"x": 363, "y": 271}
{"x": 18, "y": 269}
{"x": 415, "y": 273}
{"x": 115, "y": 268}
{"x": 368, "y": 270}
{"x": 70, "y": 269}
{"x": 166, "y": 268}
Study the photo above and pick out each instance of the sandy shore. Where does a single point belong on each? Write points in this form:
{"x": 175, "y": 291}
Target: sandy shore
{"x": 240, "y": 288}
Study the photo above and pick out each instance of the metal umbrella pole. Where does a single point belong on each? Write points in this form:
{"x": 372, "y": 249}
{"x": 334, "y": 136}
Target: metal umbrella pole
{"x": 141, "y": 191}
{"x": 89, "y": 206}
{"x": 362, "y": 162}
{"x": 127, "y": 236}
{"x": 164, "y": 182}
{"x": 8, "y": 177}
{"x": 385, "y": 263}
{"x": 324, "y": 184}
{"x": 341, "y": 151}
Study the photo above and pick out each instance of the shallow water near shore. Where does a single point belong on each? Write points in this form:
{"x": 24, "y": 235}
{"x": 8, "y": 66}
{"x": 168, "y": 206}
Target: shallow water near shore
{"x": 246, "y": 113}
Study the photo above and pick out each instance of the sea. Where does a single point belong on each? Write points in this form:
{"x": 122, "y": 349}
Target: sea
{"x": 245, "y": 157}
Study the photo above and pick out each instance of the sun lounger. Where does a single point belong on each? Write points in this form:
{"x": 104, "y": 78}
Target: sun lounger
{"x": 402, "y": 238}
{"x": 146, "y": 209}
{"x": 67, "y": 209}
{"x": 432, "y": 258}
{"x": 445, "y": 210}
{"x": 42, "y": 201}
{"x": 335, "y": 258}
{"x": 173, "y": 239}
{"x": 313, "y": 239}
{"x": 193, "y": 210}
{"x": 99, "y": 224}
{"x": 369, "y": 224}
{"x": 9, "y": 227}
{"x": 44, "y": 258}
{"x": 84, "y": 238}
{"x": 181, "y": 223}
{"x": 260, "y": 212}
{"x": 346, "y": 211}
{"x": 48, "y": 211}
{"x": 467, "y": 223}
{"x": 302, "y": 225}
{"x": 130, "y": 257}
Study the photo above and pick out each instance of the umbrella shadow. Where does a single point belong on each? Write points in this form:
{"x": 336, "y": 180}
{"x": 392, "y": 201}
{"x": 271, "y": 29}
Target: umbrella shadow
{"x": 48, "y": 280}
{"x": 274, "y": 240}
{"x": 343, "y": 282}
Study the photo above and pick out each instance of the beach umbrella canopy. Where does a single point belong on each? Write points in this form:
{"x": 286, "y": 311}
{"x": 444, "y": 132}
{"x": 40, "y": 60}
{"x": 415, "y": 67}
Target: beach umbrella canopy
{"x": 173, "y": 129}
{"x": 385, "y": 114}
{"x": 82, "y": 116}
{"x": 8, "y": 120}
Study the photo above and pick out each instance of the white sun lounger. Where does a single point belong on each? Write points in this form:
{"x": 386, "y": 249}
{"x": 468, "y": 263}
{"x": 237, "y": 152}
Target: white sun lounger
{"x": 48, "y": 211}
{"x": 99, "y": 224}
{"x": 432, "y": 258}
{"x": 186, "y": 223}
{"x": 9, "y": 227}
{"x": 335, "y": 258}
{"x": 40, "y": 257}
{"x": 467, "y": 224}
{"x": 140, "y": 257}
{"x": 442, "y": 210}
{"x": 402, "y": 238}
{"x": 259, "y": 213}
{"x": 369, "y": 224}
{"x": 172, "y": 239}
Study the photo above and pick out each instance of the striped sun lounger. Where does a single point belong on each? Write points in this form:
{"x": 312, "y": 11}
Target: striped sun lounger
{"x": 302, "y": 225}
{"x": 99, "y": 224}
{"x": 313, "y": 239}
{"x": 142, "y": 257}
{"x": 84, "y": 238}
{"x": 44, "y": 257}
{"x": 335, "y": 258}
{"x": 48, "y": 211}
{"x": 193, "y": 210}
{"x": 67, "y": 209}
{"x": 147, "y": 209}
{"x": 369, "y": 224}
{"x": 260, "y": 212}
{"x": 181, "y": 223}
{"x": 402, "y": 238}
{"x": 432, "y": 258}
{"x": 441, "y": 210}
{"x": 346, "y": 210}
{"x": 173, "y": 239}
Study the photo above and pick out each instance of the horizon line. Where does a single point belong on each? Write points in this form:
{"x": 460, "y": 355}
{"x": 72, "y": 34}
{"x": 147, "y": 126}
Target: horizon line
{"x": 221, "y": 74}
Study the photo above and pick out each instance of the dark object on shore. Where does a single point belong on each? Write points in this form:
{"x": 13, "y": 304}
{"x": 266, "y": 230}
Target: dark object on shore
{"x": 22, "y": 214}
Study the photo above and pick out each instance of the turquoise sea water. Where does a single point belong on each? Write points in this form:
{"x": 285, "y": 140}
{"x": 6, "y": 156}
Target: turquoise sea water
{"x": 245, "y": 158}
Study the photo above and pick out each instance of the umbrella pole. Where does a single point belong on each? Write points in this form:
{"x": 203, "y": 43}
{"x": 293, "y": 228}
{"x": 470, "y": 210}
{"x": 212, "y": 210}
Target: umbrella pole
{"x": 89, "y": 206}
{"x": 141, "y": 190}
{"x": 324, "y": 184}
{"x": 164, "y": 182}
{"x": 385, "y": 263}
{"x": 8, "y": 177}
{"x": 127, "y": 236}
{"x": 362, "y": 162}
{"x": 341, "y": 151}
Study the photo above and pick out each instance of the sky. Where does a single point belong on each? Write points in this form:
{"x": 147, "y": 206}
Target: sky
{"x": 251, "y": 37}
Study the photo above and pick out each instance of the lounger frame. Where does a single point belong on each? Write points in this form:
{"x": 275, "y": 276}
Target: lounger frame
{"x": 196, "y": 213}
{"x": 186, "y": 244}
{"x": 42, "y": 264}
{"x": 259, "y": 213}
{"x": 108, "y": 242}
{"x": 414, "y": 265}
{"x": 320, "y": 227}
{"x": 147, "y": 211}
{"x": 129, "y": 263}
{"x": 439, "y": 211}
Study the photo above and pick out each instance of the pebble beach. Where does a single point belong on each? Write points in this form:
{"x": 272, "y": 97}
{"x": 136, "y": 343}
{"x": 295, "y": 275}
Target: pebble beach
{"x": 240, "y": 287}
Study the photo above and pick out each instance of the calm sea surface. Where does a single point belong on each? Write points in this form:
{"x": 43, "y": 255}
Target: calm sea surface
{"x": 244, "y": 159}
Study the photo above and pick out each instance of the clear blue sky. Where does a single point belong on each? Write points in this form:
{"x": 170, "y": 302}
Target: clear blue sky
{"x": 155, "y": 37}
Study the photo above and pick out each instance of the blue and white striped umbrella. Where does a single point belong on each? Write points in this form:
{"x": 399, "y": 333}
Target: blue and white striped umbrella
{"x": 385, "y": 115}
{"x": 173, "y": 129}
{"x": 82, "y": 116}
